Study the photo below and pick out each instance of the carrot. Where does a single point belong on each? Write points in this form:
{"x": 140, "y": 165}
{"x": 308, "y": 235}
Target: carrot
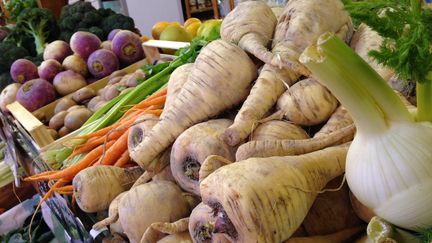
{"x": 267, "y": 199}
{"x": 71, "y": 171}
{"x": 123, "y": 160}
{"x": 111, "y": 155}
{"x": 209, "y": 90}
{"x": 156, "y": 98}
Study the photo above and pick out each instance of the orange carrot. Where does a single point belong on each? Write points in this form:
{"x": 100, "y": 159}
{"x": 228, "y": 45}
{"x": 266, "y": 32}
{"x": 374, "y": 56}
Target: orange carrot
{"x": 123, "y": 160}
{"x": 64, "y": 190}
{"x": 114, "y": 153}
{"x": 146, "y": 103}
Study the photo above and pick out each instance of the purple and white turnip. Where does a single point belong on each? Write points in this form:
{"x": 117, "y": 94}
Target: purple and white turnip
{"x": 76, "y": 64}
{"x": 84, "y": 43}
{"x": 23, "y": 70}
{"x": 48, "y": 69}
{"x": 127, "y": 46}
{"x": 57, "y": 50}
{"x": 8, "y": 95}
{"x": 36, "y": 93}
{"x": 102, "y": 63}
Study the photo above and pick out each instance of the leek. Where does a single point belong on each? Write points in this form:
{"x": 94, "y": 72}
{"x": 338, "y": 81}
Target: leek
{"x": 389, "y": 163}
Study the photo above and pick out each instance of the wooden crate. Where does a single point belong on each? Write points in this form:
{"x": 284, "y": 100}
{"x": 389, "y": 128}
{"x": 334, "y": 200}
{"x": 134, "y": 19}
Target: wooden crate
{"x": 36, "y": 128}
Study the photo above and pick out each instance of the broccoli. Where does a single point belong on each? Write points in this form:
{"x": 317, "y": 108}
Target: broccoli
{"x": 105, "y": 12}
{"x": 38, "y": 23}
{"x": 117, "y": 21}
{"x": 9, "y": 53}
{"x": 5, "y": 80}
{"x": 97, "y": 31}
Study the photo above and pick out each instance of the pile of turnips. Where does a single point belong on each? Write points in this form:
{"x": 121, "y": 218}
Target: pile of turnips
{"x": 68, "y": 67}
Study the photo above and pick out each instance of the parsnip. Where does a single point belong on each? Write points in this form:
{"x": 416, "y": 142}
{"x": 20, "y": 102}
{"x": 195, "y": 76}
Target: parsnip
{"x": 96, "y": 186}
{"x": 341, "y": 236}
{"x": 201, "y": 224}
{"x": 300, "y": 25}
{"x": 193, "y": 146}
{"x": 264, "y": 94}
{"x": 112, "y": 220}
{"x": 306, "y": 103}
{"x": 250, "y": 25}
{"x": 160, "y": 201}
{"x": 157, "y": 231}
{"x": 177, "y": 79}
{"x": 211, "y": 88}
{"x": 267, "y": 148}
{"x": 274, "y": 130}
{"x": 183, "y": 237}
{"x": 365, "y": 40}
{"x": 266, "y": 199}
{"x": 338, "y": 120}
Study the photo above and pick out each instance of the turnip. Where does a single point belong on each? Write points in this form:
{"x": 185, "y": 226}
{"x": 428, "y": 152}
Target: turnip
{"x": 95, "y": 187}
{"x": 127, "y": 46}
{"x": 48, "y": 69}
{"x": 201, "y": 225}
{"x": 112, "y": 33}
{"x": 36, "y": 93}
{"x": 193, "y": 146}
{"x": 76, "y": 64}
{"x": 208, "y": 82}
{"x": 147, "y": 199}
{"x": 8, "y": 95}
{"x": 84, "y": 43}
{"x": 107, "y": 45}
{"x": 67, "y": 82}
{"x": 23, "y": 70}
{"x": 251, "y": 207}
{"x": 57, "y": 50}
{"x": 102, "y": 63}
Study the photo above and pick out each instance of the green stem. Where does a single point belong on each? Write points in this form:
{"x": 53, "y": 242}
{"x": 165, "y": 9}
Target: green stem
{"x": 416, "y": 6}
{"x": 424, "y": 100}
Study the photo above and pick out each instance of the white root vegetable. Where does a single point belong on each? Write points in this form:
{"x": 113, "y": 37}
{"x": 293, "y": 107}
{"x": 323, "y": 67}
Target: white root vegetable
{"x": 286, "y": 147}
{"x": 164, "y": 175}
{"x": 266, "y": 199}
{"x": 95, "y": 187}
{"x": 365, "y": 40}
{"x": 300, "y": 25}
{"x": 162, "y": 161}
{"x": 183, "y": 237}
{"x": 141, "y": 129}
{"x": 112, "y": 220}
{"x": 209, "y": 90}
{"x": 193, "y": 146}
{"x": 274, "y": 130}
{"x": 341, "y": 236}
{"x": 177, "y": 79}
{"x": 267, "y": 89}
{"x": 250, "y": 25}
{"x": 201, "y": 225}
{"x": 306, "y": 103}
{"x": 160, "y": 201}
{"x": 338, "y": 120}
{"x": 156, "y": 231}
{"x": 8, "y": 95}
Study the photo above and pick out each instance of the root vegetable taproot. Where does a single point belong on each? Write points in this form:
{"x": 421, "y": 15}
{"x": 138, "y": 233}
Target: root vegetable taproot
{"x": 112, "y": 219}
{"x": 341, "y": 236}
{"x": 146, "y": 199}
{"x": 274, "y": 130}
{"x": 306, "y": 103}
{"x": 264, "y": 94}
{"x": 183, "y": 237}
{"x": 162, "y": 161}
{"x": 267, "y": 148}
{"x": 250, "y": 206}
{"x": 300, "y": 25}
{"x": 95, "y": 187}
{"x": 209, "y": 90}
{"x": 365, "y": 40}
{"x": 164, "y": 175}
{"x": 193, "y": 146}
{"x": 156, "y": 231}
{"x": 141, "y": 129}
{"x": 175, "y": 83}
{"x": 201, "y": 224}
{"x": 339, "y": 119}
{"x": 250, "y": 25}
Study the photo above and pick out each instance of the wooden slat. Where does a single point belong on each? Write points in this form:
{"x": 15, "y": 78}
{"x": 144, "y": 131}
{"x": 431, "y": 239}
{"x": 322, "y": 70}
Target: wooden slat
{"x": 166, "y": 44}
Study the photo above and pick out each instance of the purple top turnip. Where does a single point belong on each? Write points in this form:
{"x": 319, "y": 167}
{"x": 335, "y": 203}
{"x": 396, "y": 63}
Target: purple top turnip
{"x": 57, "y": 50}
{"x": 84, "y": 43}
{"x": 127, "y": 46}
{"x": 23, "y": 70}
{"x": 107, "y": 45}
{"x": 102, "y": 63}
{"x": 76, "y": 64}
{"x": 48, "y": 69}
{"x": 36, "y": 93}
{"x": 112, "y": 33}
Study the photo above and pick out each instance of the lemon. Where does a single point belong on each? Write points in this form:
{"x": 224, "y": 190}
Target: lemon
{"x": 174, "y": 33}
{"x": 190, "y": 21}
{"x": 193, "y": 28}
{"x": 158, "y": 28}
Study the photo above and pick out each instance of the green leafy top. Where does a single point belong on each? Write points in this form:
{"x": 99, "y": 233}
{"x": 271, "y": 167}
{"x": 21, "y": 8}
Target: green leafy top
{"x": 407, "y": 33}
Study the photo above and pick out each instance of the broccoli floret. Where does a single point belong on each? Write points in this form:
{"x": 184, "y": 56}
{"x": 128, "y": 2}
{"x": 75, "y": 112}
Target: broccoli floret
{"x": 5, "y": 80}
{"x": 117, "y": 21}
{"x": 39, "y": 23}
{"x": 105, "y": 12}
{"x": 65, "y": 35}
{"x": 92, "y": 18}
{"x": 97, "y": 31}
{"x": 9, "y": 53}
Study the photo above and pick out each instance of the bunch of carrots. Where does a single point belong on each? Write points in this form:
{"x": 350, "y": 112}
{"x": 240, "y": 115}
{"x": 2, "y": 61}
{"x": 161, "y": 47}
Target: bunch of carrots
{"x": 107, "y": 146}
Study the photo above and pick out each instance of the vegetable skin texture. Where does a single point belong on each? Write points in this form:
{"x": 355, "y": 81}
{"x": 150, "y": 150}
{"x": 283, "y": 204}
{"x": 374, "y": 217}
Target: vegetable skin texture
{"x": 307, "y": 103}
{"x": 57, "y": 50}
{"x": 208, "y": 81}
{"x": 127, "y": 46}
{"x": 102, "y": 63}
{"x": 35, "y": 93}
{"x": 300, "y": 25}
{"x": 183, "y": 237}
{"x": 340, "y": 118}
{"x": 274, "y": 130}
{"x": 95, "y": 187}
{"x": 76, "y": 64}
{"x": 365, "y": 40}
{"x": 68, "y": 81}
{"x": 284, "y": 147}
{"x": 23, "y": 70}
{"x": 146, "y": 199}
{"x": 112, "y": 219}
{"x": 201, "y": 224}
{"x": 252, "y": 207}
{"x": 265, "y": 92}
{"x": 156, "y": 231}
{"x": 84, "y": 43}
{"x": 193, "y": 146}
{"x": 8, "y": 95}
{"x": 341, "y": 236}
{"x": 250, "y": 25}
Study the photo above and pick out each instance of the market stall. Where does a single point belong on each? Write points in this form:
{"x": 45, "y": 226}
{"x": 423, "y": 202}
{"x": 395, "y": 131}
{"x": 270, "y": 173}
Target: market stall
{"x": 285, "y": 121}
